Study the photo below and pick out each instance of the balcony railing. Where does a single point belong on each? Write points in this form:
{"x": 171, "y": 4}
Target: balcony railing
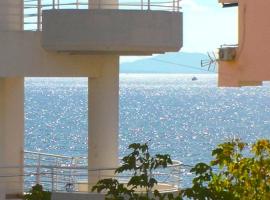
{"x": 33, "y": 8}
{"x": 70, "y": 174}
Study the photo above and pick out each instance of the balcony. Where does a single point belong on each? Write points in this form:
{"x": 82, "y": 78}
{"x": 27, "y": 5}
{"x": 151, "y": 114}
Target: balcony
{"x": 63, "y": 174}
{"x": 141, "y": 28}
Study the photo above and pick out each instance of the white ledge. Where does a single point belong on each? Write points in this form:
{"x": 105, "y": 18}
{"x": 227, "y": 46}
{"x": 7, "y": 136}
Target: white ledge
{"x": 122, "y": 32}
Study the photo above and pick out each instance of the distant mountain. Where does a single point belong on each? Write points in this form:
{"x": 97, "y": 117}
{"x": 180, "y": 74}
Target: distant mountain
{"x": 180, "y": 62}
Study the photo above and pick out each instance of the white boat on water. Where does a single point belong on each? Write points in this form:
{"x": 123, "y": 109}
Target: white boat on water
{"x": 194, "y": 78}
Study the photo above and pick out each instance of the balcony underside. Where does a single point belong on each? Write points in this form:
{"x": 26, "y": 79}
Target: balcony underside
{"x": 122, "y": 32}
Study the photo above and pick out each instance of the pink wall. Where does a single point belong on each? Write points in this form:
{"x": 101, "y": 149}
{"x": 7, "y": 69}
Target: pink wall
{"x": 252, "y": 63}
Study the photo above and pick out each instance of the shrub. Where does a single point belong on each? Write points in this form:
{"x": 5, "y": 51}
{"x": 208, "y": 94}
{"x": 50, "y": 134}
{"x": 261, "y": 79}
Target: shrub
{"x": 141, "y": 164}
{"x": 238, "y": 172}
{"x": 37, "y": 193}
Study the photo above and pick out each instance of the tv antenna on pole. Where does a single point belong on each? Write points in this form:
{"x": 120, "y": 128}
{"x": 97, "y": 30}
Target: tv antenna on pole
{"x": 210, "y": 63}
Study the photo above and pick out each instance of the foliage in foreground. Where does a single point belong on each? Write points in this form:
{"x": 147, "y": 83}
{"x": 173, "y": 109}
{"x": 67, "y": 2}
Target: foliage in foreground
{"x": 141, "y": 164}
{"x": 37, "y": 193}
{"x": 237, "y": 172}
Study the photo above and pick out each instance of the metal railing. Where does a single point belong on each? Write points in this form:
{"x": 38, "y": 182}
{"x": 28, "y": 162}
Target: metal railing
{"x": 70, "y": 174}
{"x": 33, "y": 8}
{"x": 49, "y": 169}
{"x": 229, "y": 45}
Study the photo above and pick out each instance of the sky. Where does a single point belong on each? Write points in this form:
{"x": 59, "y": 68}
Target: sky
{"x": 206, "y": 26}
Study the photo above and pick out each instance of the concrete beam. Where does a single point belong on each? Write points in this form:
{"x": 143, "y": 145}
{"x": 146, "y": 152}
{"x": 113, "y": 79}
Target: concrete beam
{"x": 21, "y": 55}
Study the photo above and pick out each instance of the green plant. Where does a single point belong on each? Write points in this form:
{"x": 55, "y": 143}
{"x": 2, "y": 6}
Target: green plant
{"x": 238, "y": 172}
{"x": 141, "y": 164}
{"x": 37, "y": 193}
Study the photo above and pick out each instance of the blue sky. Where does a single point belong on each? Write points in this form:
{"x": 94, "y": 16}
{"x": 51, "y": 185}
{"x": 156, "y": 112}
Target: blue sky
{"x": 206, "y": 26}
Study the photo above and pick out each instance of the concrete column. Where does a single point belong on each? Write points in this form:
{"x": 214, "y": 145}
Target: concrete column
{"x": 11, "y": 15}
{"x": 11, "y": 134}
{"x": 103, "y": 121}
{"x": 103, "y": 4}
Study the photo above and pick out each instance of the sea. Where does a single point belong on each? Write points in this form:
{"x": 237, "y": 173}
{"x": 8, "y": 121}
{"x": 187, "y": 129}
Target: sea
{"x": 173, "y": 114}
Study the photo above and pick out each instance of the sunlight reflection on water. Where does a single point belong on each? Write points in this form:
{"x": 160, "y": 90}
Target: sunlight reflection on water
{"x": 174, "y": 114}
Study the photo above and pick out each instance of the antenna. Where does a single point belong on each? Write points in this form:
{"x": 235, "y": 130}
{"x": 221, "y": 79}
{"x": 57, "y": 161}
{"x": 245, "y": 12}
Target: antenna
{"x": 211, "y": 62}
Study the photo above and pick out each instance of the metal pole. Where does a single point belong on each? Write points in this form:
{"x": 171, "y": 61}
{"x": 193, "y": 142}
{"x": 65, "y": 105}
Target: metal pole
{"x": 38, "y": 170}
{"x": 22, "y": 17}
{"x": 178, "y": 1}
{"x": 39, "y": 15}
{"x": 52, "y": 171}
{"x": 53, "y": 4}
{"x": 141, "y": 4}
{"x": 77, "y": 4}
{"x": 56, "y": 176}
{"x": 173, "y": 5}
{"x": 149, "y": 2}
{"x": 75, "y": 166}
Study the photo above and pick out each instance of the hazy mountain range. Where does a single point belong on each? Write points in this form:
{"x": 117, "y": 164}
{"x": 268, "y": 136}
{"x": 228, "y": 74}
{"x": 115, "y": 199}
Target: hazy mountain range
{"x": 180, "y": 62}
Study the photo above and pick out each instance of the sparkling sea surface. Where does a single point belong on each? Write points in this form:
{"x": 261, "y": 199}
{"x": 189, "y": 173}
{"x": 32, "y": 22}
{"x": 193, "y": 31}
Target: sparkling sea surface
{"x": 176, "y": 115}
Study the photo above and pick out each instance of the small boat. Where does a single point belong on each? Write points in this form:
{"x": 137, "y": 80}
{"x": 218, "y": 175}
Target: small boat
{"x": 194, "y": 78}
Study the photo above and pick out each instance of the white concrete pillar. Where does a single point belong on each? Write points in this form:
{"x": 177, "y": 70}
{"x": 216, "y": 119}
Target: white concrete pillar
{"x": 103, "y": 4}
{"x": 11, "y": 134}
{"x": 11, "y": 15}
{"x": 103, "y": 120}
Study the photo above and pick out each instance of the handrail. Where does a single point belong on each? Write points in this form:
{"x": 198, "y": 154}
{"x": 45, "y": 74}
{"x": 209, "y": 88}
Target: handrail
{"x": 57, "y": 172}
{"x": 174, "y": 4}
{"x": 229, "y": 45}
{"x": 53, "y": 155}
{"x": 175, "y": 162}
{"x": 69, "y": 173}
{"x": 33, "y": 8}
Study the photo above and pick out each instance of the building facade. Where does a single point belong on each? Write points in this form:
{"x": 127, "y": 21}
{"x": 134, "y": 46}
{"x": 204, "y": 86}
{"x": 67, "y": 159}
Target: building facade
{"x": 246, "y": 63}
{"x": 74, "y": 42}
